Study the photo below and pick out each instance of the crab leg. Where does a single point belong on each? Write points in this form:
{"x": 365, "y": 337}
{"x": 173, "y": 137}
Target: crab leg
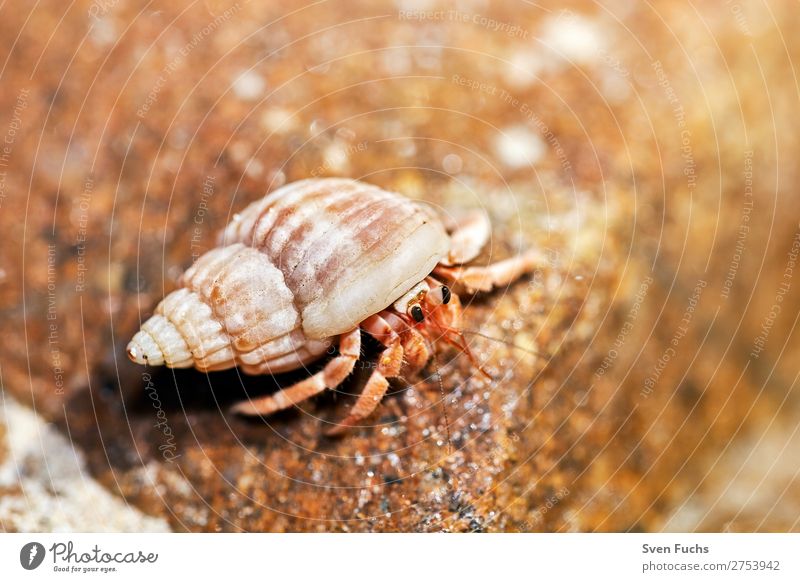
{"x": 333, "y": 374}
{"x": 381, "y": 326}
{"x": 468, "y": 236}
{"x": 389, "y": 366}
{"x": 486, "y": 278}
{"x": 415, "y": 350}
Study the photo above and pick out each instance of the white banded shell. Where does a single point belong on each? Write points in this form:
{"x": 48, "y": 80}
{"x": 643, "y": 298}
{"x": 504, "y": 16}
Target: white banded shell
{"x": 294, "y": 270}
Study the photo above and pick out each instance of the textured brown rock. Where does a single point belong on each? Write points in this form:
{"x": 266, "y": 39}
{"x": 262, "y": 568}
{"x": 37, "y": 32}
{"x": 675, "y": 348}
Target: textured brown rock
{"x": 624, "y": 149}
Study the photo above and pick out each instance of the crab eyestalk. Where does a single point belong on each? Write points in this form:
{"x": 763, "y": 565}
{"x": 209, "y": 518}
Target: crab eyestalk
{"x": 439, "y": 295}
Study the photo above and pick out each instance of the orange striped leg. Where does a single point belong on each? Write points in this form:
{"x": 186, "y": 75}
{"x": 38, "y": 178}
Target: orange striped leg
{"x": 415, "y": 349}
{"x": 469, "y": 236}
{"x": 486, "y": 278}
{"x": 382, "y": 327}
{"x": 330, "y": 376}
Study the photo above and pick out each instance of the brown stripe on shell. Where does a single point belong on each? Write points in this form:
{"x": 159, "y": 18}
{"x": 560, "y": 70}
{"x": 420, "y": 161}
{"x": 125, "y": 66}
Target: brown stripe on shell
{"x": 247, "y": 294}
{"x": 281, "y": 203}
{"x": 323, "y": 229}
{"x": 312, "y": 275}
{"x": 194, "y": 320}
{"x": 289, "y": 234}
{"x": 245, "y": 226}
{"x": 348, "y": 257}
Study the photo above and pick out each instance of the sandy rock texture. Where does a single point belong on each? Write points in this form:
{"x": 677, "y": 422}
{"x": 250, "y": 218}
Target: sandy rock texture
{"x": 643, "y": 148}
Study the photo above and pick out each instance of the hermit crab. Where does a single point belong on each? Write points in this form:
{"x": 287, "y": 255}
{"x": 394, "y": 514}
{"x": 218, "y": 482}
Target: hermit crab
{"x": 311, "y": 266}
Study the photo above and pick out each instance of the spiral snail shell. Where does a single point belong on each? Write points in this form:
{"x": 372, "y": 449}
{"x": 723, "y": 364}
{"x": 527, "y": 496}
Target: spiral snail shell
{"x": 309, "y": 265}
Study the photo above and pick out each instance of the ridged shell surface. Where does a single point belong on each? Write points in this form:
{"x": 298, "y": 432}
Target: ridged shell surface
{"x": 305, "y": 263}
{"x": 346, "y": 249}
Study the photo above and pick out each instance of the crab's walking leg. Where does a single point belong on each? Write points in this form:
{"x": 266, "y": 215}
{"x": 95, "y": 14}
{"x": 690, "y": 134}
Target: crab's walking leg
{"x": 415, "y": 350}
{"x": 495, "y": 275}
{"x": 468, "y": 236}
{"x": 389, "y": 364}
{"x": 333, "y": 374}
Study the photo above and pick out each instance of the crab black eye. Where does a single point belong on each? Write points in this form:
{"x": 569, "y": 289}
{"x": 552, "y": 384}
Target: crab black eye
{"x": 445, "y": 294}
{"x": 416, "y": 313}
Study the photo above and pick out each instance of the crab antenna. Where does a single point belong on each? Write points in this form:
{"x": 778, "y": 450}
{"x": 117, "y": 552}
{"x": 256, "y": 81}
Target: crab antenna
{"x": 446, "y": 333}
{"x": 444, "y": 402}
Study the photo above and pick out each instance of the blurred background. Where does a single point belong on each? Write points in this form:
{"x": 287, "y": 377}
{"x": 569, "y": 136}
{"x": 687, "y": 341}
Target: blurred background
{"x": 645, "y": 377}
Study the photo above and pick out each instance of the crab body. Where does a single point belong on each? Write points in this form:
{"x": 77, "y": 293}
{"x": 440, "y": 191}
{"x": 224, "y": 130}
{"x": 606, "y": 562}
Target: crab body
{"x": 310, "y": 265}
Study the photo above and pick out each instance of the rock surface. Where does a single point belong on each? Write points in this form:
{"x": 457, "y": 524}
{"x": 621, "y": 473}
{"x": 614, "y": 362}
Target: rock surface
{"x": 637, "y": 146}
